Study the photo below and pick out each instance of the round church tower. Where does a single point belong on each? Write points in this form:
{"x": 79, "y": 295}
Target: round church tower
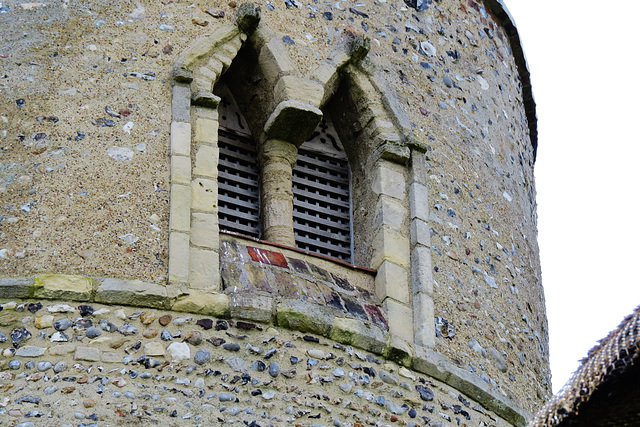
{"x": 271, "y": 213}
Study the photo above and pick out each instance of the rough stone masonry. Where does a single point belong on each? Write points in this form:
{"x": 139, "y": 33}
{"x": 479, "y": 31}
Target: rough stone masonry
{"x": 125, "y": 300}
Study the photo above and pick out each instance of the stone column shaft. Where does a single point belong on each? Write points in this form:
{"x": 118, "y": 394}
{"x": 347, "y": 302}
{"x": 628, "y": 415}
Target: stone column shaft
{"x": 276, "y": 160}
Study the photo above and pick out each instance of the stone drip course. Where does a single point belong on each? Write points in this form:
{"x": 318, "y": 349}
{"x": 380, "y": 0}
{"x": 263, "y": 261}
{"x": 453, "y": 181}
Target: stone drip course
{"x": 96, "y": 364}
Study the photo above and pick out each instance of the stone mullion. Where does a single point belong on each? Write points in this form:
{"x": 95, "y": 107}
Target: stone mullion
{"x": 276, "y": 159}
{"x": 421, "y": 273}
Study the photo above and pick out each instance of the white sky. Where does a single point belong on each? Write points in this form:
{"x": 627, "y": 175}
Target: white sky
{"x": 584, "y": 70}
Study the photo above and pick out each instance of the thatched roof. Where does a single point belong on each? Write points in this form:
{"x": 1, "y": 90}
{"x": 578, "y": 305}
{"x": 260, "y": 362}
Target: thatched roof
{"x": 605, "y": 390}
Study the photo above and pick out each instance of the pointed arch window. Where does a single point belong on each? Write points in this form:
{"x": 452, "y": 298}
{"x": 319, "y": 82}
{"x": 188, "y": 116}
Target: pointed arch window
{"x": 322, "y": 195}
{"x": 321, "y": 184}
{"x": 238, "y": 174}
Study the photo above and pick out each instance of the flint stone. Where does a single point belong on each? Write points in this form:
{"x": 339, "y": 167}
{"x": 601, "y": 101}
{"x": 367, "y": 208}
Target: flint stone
{"x": 128, "y": 329}
{"x": 497, "y": 358}
{"x": 62, "y": 324}
{"x": 179, "y": 351}
{"x": 87, "y": 353}
{"x": 202, "y": 357}
{"x": 92, "y": 332}
{"x": 19, "y": 334}
{"x": 426, "y": 393}
{"x": 237, "y": 364}
{"x": 153, "y": 348}
{"x": 59, "y": 337}
{"x": 43, "y": 322}
{"x": 30, "y": 351}
{"x": 388, "y": 378}
{"x": 43, "y": 366}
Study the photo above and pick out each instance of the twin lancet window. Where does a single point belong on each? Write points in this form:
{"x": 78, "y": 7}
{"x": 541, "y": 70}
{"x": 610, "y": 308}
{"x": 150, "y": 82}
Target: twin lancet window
{"x": 321, "y": 185}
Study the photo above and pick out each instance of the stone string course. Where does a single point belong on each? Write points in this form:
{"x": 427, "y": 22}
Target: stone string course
{"x": 97, "y": 332}
{"x": 96, "y": 364}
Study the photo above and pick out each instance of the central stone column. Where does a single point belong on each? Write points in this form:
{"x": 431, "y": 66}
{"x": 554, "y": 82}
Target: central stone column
{"x": 291, "y": 123}
{"x": 277, "y": 158}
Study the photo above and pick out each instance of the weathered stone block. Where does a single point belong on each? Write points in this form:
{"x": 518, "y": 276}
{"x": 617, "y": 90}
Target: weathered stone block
{"x": 31, "y": 351}
{"x": 420, "y": 233}
{"x": 16, "y": 287}
{"x": 202, "y": 96}
{"x": 421, "y": 270}
{"x": 180, "y": 138}
{"x": 181, "y": 75}
{"x": 207, "y": 73}
{"x": 178, "y": 257}
{"x": 204, "y": 269}
{"x": 132, "y": 292}
{"x": 180, "y": 171}
{"x": 63, "y": 349}
{"x": 392, "y": 281}
{"x": 298, "y": 88}
{"x": 248, "y": 17}
{"x": 202, "y": 302}
{"x": 215, "y": 66}
{"x": 205, "y": 113}
{"x": 63, "y": 287}
{"x": 293, "y": 121}
{"x": 399, "y": 351}
{"x": 90, "y": 354}
{"x": 326, "y": 74}
{"x": 390, "y": 212}
{"x": 204, "y": 195}
{"x": 389, "y": 179}
{"x": 395, "y": 152}
{"x": 205, "y": 230}
{"x": 206, "y": 45}
{"x": 252, "y": 307}
{"x": 181, "y": 102}
{"x": 207, "y": 161}
{"x": 418, "y": 167}
{"x": 390, "y": 245}
{"x": 206, "y": 130}
{"x": 419, "y": 201}
{"x": 423, "y": 315}
{"x": 355, "y": 332}
{"x": 274, "y": 60}
{"x": 180, "y": 207}
{"x": 437, "y": 366}
{"x": 304, "y": 317}
{"x": 400, "y": 318}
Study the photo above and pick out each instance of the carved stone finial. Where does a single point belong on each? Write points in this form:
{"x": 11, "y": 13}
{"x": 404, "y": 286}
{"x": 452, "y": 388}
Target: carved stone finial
{"x": 360, "y": 47}
{"x": 248, "y": 17}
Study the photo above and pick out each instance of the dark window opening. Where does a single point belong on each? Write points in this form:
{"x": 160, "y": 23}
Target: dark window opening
{"x": 238, "y": 174}
{"x": 322, "y": 195}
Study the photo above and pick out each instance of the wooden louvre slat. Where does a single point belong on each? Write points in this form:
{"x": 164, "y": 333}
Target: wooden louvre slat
{"x": 322, "y": 202}
{"x": 238, "y": 185}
